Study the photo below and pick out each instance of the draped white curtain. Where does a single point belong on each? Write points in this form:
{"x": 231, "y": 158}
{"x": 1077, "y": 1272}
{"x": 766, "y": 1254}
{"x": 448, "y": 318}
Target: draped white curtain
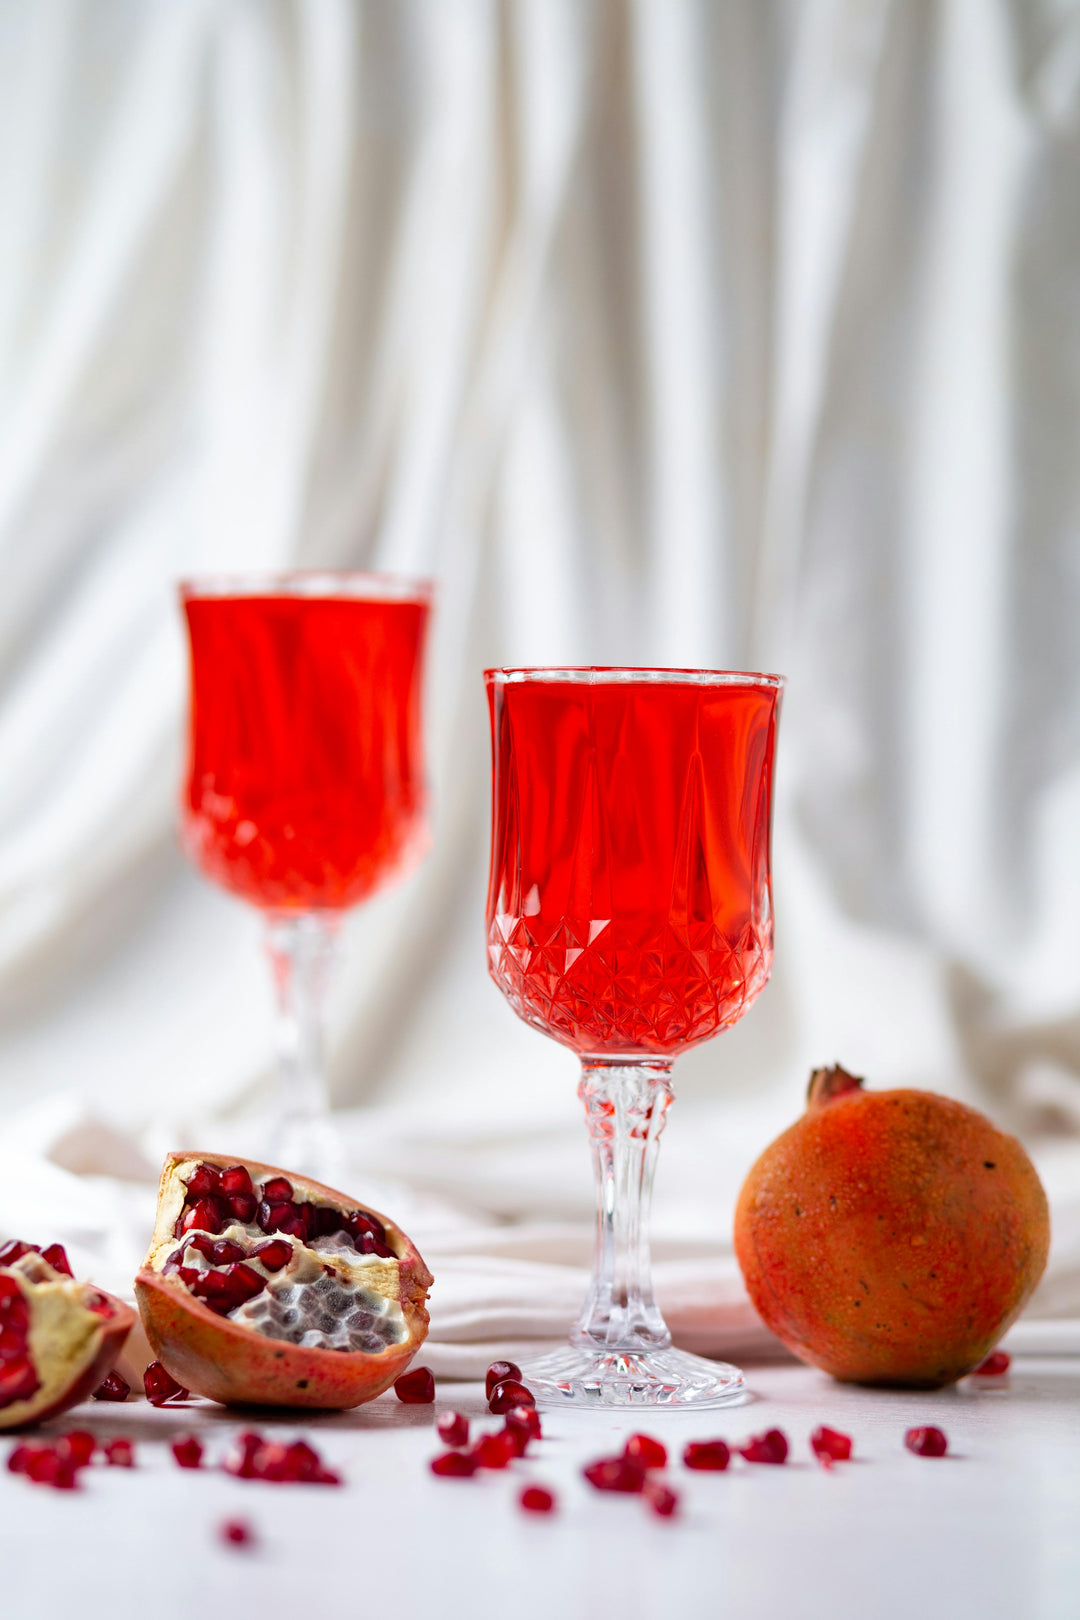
{"x": 738, "y": 333}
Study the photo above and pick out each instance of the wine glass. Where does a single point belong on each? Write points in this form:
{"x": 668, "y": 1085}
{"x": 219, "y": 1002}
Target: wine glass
{"x": 305, "y": 784}
{"x": 630, "y": 917}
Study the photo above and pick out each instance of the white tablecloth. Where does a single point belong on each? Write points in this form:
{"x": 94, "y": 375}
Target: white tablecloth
{"x": 989, "y": 1533}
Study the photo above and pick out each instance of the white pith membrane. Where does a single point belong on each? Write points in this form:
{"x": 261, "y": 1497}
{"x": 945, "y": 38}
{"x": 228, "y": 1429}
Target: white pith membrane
{"x": 64, "y": 1333}
{"x": 326, "y": 1297}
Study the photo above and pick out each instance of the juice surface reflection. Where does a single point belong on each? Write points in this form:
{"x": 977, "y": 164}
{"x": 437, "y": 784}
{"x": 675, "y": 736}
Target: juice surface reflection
{"x": 305, "y": 785}
{"x": 629, "y": 909}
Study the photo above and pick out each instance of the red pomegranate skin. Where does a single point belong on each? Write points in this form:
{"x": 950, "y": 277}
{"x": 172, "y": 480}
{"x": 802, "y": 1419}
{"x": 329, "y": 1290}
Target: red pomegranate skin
{"x": 224, "y": 1361}
{"x": 891, "y": 1237}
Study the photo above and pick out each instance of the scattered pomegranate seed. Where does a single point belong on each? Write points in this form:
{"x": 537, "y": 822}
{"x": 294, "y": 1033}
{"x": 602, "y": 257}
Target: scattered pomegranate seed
{"x": 495, "y": 1450}
{"x": 524, "y": 1418}
{"x": 711, "y": 1456}
{"x": 161, "y": 1386}
{"x": 252, "y": 1457}
{"x": 535, "y": 1499}
{"x": 510, "y": 1393}
{"x": 996, "y": 1363}
{"x": 119, "y": 1453}
{"x": 237, "y": 1532}
{"x": 926, "y": 1442}
{"x": 17, "y": 1458}
{"x": 615, "y": 1474}
{"x": 499, "y": 1372}
{"x": 416, "y": 1388}
{"x": 453, "y": 1428}
{"x": 187, "y": 1451}
{"x": 113, "y": 1388}
{"x": 454, "y": 1465}
{"x": 661, "y": 1498}
{"x": 770, "y": 1447}
{"x": 46, "y": 1467}
{"x": 79, "y": 1445}
{"x": 643, "y": 1449}
{"x": 829, "y": 1446}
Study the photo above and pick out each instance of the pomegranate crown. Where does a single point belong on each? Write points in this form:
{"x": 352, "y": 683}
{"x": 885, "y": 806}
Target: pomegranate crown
{"x": 827, "y": 1084}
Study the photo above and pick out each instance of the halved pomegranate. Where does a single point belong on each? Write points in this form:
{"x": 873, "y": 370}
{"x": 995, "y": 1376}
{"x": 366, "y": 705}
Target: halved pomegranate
{"x": 58, "y": 1337}
{"x": 263, "y": 1287}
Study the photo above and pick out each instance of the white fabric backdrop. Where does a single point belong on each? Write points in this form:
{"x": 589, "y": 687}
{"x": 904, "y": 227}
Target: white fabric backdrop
{"x": 742, "y": 333}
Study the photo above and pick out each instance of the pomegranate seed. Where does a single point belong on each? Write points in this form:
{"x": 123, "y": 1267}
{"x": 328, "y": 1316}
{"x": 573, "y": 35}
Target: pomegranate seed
{"x": 510, "y": 1393}
{"x": 187, "y": 1451}
{"x": 235, "y": 1180}
{"x": 18, "y": 1380}
{"x": 237, "y": 1532}
{"x": 498, "y": 1373}
{"x": 119, "y": 1453}
{"x": 18, "y": 1457}
{"x": 535, "y": 1499}
{"x": 277, "y": 1190}
{"x": 14, "y": 1250}
{"x": 79, "y": 1445}
{"x": 225, "y": 1252}
{"x": 255, "y": 1458}
{"x": 661, "y": 1498}
{"x": 161, "y": 1386}
{"x": 281, "y": 1218}
{"x": 454, "y": 1465}
{"x": 204, "y": 1216}
{"x": 242, "y": 1207}
{"x": 525, "y": 1418}
{"x": 641, "y": 1448}
{"x": 204, "y": 1179}
{"x": 711, "y": 1456}
{"x": 518, "y": 1439}
{"x": 829, "y": 1446}
{"x": 416, "y": 1388}
{"x": 56, "y": 1256}
{"x": 770, "y": 1447}
{"x": 453, "y": 1429}
{"x": 324, "y": 1221}
{"x": 240, "y": 1460}
{"x": 996, "y": 1363}
{"x": 926, "y": 1442}
{"x": 273, "y": 1255}
{"x": 113, "y": 1388}
{"x": 495, "y": 1450}
{"x": 45, "y": 1466}
{"x": 615, "y": 1474}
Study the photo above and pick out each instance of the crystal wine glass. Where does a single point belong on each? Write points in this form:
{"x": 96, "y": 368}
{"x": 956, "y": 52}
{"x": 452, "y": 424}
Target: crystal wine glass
{"x": 305, "y": 785}
{"x": 630, "y": 917}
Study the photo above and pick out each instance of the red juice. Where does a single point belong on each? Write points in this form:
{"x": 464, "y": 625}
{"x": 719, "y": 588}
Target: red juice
{"x": 630, "y": 908}
{"x": 305, "y": 785}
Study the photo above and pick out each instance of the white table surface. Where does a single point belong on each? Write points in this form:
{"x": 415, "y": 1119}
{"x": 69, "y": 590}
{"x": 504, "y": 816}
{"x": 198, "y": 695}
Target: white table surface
{"x": 992, "y": 1530}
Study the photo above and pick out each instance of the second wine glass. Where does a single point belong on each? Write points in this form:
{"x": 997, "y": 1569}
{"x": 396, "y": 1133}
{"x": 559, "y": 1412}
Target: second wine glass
{"x": 305, "y": 785}
{"x": 630, "y": 917}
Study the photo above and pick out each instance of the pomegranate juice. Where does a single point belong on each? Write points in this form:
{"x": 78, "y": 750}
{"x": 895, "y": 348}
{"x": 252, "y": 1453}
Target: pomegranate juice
{"x": 629, "y": 910}
{"x": 305, "y": 785}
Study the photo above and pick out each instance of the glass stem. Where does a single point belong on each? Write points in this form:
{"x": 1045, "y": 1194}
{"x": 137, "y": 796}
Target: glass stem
{"x": 302, "y": 949}
{"x": 625, "y": 1105}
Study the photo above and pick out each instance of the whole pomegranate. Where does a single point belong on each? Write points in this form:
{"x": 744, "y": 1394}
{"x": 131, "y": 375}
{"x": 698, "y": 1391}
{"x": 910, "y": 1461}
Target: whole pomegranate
{"x": 58, "y": 1337}
{"x": 891, "y": 1237}
{"x": 265, "y": 1288}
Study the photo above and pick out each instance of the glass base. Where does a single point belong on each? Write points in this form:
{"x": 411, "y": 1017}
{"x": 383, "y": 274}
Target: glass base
{"x": 579, "y": 1377}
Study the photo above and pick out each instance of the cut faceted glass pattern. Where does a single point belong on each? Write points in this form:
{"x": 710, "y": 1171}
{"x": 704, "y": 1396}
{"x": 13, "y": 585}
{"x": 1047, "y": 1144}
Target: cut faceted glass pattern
{"x": 658, "y": 989}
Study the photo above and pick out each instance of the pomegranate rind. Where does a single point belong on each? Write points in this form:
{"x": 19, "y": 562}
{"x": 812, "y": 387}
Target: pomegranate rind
{"x": 72, "y": 1346}
{"x": 225, "y": 1361}
{"x": 891, "y": 1237}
